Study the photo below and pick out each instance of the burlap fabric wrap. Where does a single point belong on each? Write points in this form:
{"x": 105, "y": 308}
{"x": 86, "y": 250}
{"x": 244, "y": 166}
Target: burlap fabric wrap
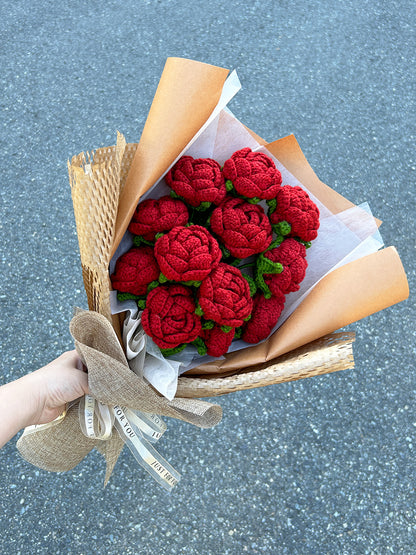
{"x": 61, "y": 447}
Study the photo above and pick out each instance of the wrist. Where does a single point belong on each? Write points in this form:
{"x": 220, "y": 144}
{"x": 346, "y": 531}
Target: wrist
{"x": 25, "y": 398}
{"x": 18, "y": 406}
{"x": 32, "y": 394}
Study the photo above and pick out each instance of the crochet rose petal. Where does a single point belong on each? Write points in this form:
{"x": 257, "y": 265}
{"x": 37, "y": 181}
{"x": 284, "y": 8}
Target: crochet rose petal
{"x": 187, "y": 253}
{"x": 169, "y": 317}
{"x": 243, "y": 228}
{"x": 158, "y": 215}
{"x": 291, "y": 254}
{"x": 265, "y": 314}
{"x": 253, "y": 174}
{"x": 135, "y": 270}
{"x": 295, "y": 207}
{"x": 224, "y": 296}
{"x": 197, "y": 180}
{"x": 217, "y": 340}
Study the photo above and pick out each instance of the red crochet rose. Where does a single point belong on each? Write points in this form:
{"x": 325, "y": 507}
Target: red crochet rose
{"x": 253, "y": 174}
{"x": 224, "y": 296}
{"x": 197, "y": 181}
{"x": 264, "y": 317}
{"x": 291, "y": 254}
{"x": 156, "y": 215}
{"x": 187, "y": 253}
{"x": 243, "y": 228}
{"x": 296, "y": 208}
{"x": 169, "y": 317}
{"x": 135, "y": 270}
{"x": 217, "y": 341}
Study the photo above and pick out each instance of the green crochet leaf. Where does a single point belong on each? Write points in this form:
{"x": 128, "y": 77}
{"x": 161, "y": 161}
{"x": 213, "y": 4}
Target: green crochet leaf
{"x": 272, "y": 204}
{"x": 229, "y": 185}
{"x": 173, "y": 351}
{"x": 200, "y": 346}
{"x": 225, "y": 252}
{"x": 282, "y": 228}
{"x": 235, "y": 262}
{"x": 203, "y": 206}
{"x": 307, "y": 244}
{"x": 248, "y": 265}
{"x": 238, "y": 333}
{"x": 266, "y": 266}
{"x": 127, "y": 296}
{"x": 275, "y": 243}
{"x": 138, "y": 241}
{"x": 162, "y": 278}
{"x": 152, "y": 286}
{"x": 191, "y": 283}
{"x": 251, "y": 284}
{"x": 141, "y": 303}
{"x": 199, "y": 311}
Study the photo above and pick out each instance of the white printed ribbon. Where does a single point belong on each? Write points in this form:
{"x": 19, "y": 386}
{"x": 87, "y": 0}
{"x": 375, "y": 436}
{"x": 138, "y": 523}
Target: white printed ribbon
{"x": 96, "y": 420}
{"x": 131, "y": 427}
{"x": 138, "y": 431}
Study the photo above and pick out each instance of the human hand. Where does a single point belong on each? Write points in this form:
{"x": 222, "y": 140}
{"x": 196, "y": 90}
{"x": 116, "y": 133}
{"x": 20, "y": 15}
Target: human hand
{"x": 59, "y": 382}
{"x": 41, "y": 396}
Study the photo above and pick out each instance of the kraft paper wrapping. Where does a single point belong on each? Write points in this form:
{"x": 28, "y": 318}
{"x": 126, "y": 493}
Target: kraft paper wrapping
{"x": 186, "y": 96}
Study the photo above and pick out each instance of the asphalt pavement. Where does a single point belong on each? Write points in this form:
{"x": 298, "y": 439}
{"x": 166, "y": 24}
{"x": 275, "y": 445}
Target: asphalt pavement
{"x": 318, "y": 466}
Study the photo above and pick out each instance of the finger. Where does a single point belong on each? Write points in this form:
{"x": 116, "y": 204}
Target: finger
{"x": 84, "y": 383}
{"x": 80, "y": 365}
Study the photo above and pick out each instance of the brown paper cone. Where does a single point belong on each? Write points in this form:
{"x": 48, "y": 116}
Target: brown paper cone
{"x": 187, "y": 94}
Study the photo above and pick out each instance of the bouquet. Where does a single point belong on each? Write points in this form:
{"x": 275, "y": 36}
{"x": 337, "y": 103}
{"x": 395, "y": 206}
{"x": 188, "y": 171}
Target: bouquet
{"x": 212, "y": 261}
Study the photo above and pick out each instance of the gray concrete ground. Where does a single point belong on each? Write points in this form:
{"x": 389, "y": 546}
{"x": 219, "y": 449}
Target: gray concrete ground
{"x": 325, "y": 465}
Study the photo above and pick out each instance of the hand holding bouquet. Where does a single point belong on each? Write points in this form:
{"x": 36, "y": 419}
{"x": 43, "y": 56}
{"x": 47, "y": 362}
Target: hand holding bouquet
{"x": 218, "y": 244}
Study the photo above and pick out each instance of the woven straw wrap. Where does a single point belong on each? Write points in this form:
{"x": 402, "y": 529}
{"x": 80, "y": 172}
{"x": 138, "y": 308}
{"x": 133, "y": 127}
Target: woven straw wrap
{"x": 327, "y": 354}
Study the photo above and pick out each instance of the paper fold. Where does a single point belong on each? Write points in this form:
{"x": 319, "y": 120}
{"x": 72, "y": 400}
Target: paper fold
{"x": 186, "y": 96}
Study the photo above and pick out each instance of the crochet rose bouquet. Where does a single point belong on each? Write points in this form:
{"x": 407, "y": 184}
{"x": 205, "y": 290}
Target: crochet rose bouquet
{"x": 214, "y": 260}
{"x": 209, "y": 238}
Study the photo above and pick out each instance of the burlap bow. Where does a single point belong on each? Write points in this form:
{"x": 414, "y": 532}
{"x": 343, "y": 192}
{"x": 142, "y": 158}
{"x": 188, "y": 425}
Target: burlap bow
{"x": 61, "y": 447}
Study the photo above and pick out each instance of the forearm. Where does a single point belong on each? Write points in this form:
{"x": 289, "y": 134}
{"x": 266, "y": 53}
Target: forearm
{"x": 16, "y": 407}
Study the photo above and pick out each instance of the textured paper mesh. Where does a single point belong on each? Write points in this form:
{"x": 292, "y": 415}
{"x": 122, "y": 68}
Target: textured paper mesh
{"x": 108, "y": 155}
{"x": 97, "y": 180}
